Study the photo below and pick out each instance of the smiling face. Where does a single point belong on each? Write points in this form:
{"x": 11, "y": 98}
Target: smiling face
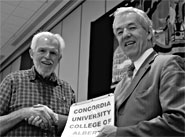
{"x": 131, "y": 35}
{"x": 46, "y": 55}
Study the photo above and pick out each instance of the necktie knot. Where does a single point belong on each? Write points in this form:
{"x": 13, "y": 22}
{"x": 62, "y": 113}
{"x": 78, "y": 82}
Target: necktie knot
{"x": 131, "y": 70}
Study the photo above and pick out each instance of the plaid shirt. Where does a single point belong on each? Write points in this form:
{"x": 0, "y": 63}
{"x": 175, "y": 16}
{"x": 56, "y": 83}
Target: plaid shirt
{"x": 26, "y": 88}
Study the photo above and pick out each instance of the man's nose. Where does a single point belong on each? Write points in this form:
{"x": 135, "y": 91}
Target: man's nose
{"x": 126, "y": 33}
{"x": 47, "y": 55}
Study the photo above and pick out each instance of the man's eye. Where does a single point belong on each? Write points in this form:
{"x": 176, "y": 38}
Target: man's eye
{"x": 41, "y": 50}
{"x": 132, "y": 28}
{"x": 119, "y": 33}
{"x": 53, "y": 53}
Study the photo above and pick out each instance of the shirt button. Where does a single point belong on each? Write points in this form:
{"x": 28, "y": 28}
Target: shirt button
{"x": 64, "y": 98}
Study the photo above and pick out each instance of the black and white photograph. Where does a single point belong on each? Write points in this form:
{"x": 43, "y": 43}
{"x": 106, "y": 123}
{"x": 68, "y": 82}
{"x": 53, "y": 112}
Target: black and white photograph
{"x": 92, "y": 68}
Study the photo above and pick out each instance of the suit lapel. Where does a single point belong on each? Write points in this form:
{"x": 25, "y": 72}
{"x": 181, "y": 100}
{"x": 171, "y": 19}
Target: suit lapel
{"x": 139, "y": 75}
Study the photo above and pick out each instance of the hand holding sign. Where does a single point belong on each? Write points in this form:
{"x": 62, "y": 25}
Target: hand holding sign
{"x": 87, "y": 118}
{"x": 107, "y": 131}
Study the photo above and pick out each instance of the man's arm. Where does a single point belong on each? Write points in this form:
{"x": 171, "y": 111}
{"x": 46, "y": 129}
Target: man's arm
{"x": 57, "y": 119}
{"x": 62, "y": 119}
{"x": 9, "y": 121}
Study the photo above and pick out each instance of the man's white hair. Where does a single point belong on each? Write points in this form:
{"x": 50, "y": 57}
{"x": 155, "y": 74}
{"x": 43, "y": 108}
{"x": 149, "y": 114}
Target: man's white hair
{"x": 143, "y": 16}
{"x": 45, "y": 33}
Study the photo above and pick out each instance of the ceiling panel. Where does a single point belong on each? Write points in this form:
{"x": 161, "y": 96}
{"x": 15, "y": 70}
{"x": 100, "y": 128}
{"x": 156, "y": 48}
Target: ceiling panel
{"x": 6, "y": 36}
{"x": 29, "y": 4}
{"x": 4, "y": 17}
{"x": 14, "y": 14}
{"x": 23, "y": 12}
{"x": 15, "y": 20}
{"x": 11, "y": 2}
{"x": 8, "y": 28}
{"x": 6, "y": 8}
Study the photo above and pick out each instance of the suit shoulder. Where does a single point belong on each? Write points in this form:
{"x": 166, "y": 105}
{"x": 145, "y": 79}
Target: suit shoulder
{"x": 166, "y": 58}
{"x": 170, "y": 60}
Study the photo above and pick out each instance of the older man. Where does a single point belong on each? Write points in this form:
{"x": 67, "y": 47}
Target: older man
{"x": 150, "y": 99}
{"x": 35, "y": 102}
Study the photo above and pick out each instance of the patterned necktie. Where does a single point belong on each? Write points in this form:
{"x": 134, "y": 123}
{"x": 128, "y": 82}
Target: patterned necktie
{"x": 130, "y": 70}
{"x": 123, "y": 86}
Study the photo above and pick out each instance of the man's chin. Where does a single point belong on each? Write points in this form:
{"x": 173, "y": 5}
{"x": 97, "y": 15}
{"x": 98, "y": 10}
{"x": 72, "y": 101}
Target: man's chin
{"x": 45, "y": 74}
{"x": 44, "y": 71}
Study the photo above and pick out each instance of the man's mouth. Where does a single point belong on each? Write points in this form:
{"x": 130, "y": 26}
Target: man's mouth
{"x": 46, "y": 62}
{"x": 129, "y": 43}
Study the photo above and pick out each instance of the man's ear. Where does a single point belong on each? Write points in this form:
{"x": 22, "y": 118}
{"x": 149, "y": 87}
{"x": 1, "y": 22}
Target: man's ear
{"x": 31, "y": 53}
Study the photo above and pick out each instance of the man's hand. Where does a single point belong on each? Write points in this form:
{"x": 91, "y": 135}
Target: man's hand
{"x": 53, "y": 115}
{"x": 42, "y": 116}
{"x": 108, "y": 131}
{"x": 37, "y": 121}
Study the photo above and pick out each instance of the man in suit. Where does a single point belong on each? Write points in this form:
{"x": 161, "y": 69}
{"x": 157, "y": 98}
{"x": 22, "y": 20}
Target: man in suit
{"x": 151, "y": 101}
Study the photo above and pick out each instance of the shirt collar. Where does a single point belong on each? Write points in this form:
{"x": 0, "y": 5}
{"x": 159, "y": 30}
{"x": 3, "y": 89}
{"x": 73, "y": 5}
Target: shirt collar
{"x": 140, "y": 61}
{"x": 53, "y": 78}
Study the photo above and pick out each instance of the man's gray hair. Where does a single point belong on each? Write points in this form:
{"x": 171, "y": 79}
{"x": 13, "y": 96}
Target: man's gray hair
{"x": 143, "y": 16}
{"x": 46, "y": 33}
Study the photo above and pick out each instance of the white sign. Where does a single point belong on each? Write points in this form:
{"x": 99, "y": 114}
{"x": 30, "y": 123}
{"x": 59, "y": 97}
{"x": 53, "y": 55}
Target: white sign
{"x": 88, "y": 117}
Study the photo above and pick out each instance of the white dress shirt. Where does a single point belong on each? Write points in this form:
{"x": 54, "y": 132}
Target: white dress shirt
{"x": 140, "y": 61}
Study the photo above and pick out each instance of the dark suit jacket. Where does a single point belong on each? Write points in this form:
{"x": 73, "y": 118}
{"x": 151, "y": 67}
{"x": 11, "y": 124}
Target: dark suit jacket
{"x": 154, "y": 104}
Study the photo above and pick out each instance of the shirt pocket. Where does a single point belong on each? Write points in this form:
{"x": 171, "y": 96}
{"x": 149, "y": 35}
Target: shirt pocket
{"x": 62, "y": 105}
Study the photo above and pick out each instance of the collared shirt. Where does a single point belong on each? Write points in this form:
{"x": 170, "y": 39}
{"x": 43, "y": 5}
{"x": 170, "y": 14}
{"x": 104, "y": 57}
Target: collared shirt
{"x": 140, "y": 61}
{"x": 26, "y": 88}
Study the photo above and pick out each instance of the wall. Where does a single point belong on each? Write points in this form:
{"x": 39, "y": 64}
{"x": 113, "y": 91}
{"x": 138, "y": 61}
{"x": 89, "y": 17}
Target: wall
{"x": 76, "y": 32}
{"x": 14, "y": 66}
